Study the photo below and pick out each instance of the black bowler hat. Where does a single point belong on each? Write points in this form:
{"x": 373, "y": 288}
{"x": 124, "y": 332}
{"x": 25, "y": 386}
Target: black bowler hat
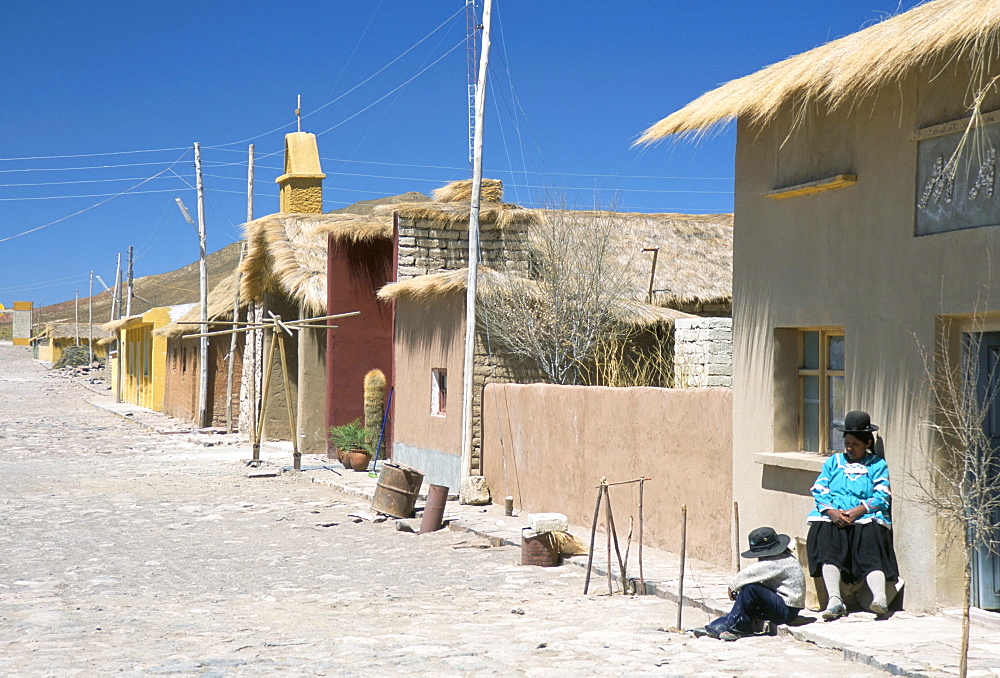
{"x": 764, "y": 541}
{"x": 857, "y": 422}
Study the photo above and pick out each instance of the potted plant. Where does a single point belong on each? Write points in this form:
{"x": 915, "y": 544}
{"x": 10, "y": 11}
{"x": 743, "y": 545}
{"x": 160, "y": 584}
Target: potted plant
{"x": 355, "y": 441}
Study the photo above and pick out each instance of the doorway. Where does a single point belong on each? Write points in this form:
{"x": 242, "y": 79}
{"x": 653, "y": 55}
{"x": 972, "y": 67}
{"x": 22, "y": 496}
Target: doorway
{"x": 986, "y": 565}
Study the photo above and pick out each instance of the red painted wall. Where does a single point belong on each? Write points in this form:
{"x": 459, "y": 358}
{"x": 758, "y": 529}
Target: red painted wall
{"x": 355, "y": 272}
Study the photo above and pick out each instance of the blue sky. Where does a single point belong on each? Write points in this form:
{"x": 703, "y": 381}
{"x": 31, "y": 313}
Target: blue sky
{"x": 103, "y": 101}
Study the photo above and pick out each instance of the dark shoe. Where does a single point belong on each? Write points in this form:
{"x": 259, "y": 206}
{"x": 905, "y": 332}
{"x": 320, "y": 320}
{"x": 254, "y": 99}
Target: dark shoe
{"x": 703, "y": 631}
{"x": 834, "y": 610}
{"x": 729, "y": 636}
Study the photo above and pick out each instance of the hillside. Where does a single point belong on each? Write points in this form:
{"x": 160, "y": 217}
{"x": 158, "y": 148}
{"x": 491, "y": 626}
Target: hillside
{"x": 164, "y": 289}
{"x": 181, "y": 286}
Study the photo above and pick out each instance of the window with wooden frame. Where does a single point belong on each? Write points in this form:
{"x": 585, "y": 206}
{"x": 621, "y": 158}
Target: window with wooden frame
{"x": 821, "y": 389}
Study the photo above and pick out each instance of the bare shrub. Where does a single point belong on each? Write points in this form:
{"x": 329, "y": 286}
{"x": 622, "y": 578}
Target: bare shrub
{"x": 573, "y": 300}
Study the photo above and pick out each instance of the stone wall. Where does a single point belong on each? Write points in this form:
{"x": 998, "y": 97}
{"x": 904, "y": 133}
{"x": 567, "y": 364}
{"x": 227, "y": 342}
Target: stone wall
{"x": 430, "y": 246}
{"x": 703, "y": 352}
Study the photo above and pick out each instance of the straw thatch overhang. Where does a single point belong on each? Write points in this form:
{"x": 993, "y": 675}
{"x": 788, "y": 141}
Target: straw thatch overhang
{"x": 113, "y": 327}
{"x": 69, "y": 330}
{"x": 220, "y": 308}
{"x": 426, "y": 289}
{"x": 846, "y": 70}
{"x": 287, "y": 253}
{"x": 451, "y": 206}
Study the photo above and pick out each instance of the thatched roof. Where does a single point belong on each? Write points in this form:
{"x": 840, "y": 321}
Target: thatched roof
{"x": 845, "y": 70}
{"x": 427, "y": 288}
{"x": 694, "y": 263}
{"x": 451, "y": 205}
{"x": 286, "y": 253}
{"x": 695, "y": 259}
{"x": 68, "y": 330}
{"x": 220, "y": 307}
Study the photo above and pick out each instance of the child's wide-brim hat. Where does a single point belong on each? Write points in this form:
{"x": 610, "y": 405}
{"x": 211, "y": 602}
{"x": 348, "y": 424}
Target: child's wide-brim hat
{"x": 857, "y": 422}
{"x": 764, "y": 541}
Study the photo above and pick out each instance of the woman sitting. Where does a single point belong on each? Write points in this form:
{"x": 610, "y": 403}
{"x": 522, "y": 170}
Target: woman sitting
{"x": 850, "y": 536}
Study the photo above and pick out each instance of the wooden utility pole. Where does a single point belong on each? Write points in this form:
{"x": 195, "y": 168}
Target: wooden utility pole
{"x": 470, "y": 294}
{"x": 203, "y": 279}
{"x": 90, "y": 321}
{"x": 77, "y": 314}
{"x": 128, "y": 287}
{"x": 232, "y": 347}
{"x": 250, "y": 185}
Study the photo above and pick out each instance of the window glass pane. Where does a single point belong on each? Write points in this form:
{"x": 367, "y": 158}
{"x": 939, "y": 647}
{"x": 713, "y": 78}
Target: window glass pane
{"x": 836, "y": 412}
{"x": 835, "y": 359}
{"x": 810, "y": 350}
{"x": 810, "y": 413}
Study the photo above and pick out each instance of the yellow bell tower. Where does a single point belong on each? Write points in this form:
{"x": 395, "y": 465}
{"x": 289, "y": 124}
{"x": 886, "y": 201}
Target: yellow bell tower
{"x": 302, "y": 183}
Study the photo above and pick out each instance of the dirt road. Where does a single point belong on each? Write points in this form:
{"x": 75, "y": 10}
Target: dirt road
{"x": 124, "y": 552}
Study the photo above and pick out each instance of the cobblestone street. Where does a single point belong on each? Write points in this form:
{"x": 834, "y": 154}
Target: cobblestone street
{"x": 128, "y": 552}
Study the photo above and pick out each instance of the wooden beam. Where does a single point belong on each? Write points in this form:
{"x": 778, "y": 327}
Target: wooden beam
{"x": 836, "y": 181}
{"x": 953, "y": 126}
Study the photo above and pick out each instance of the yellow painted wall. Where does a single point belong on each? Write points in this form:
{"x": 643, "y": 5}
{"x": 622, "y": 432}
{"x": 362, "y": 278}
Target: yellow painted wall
{"x": 142, "y": 360}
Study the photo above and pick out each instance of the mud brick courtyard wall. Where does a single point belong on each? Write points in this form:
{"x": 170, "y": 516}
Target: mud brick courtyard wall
{"x": 548, "y": 447}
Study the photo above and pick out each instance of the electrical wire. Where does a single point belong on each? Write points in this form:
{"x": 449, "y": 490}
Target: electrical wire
{"x": 94, "y": 206}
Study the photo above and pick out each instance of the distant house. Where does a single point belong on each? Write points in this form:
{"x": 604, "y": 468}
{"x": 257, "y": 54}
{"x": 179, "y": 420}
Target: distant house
{"x": 867, "y": 231}
{"x": 139, "y": 366}
{"x": 429, "y": 301}
{"x": 183, "y": 370}
{"x": 57, "y": 337}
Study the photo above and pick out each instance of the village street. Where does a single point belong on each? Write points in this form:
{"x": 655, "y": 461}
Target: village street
{"x": 135, "y": 553}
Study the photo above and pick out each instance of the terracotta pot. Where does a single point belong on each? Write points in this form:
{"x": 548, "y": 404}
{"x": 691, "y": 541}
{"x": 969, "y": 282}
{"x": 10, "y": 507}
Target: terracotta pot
{"x": 359, "y": 459}
{"x": 345, "y": 457}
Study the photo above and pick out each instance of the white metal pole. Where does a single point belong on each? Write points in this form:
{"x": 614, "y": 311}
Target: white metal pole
{"x": 250, "y": 185}
{"x": 203, "y": 277}
{"x": 116, "y": 306}
{"x": 90, "y": 321}
{"x": 470, "y": 295}
{"x": 128, "y": 299}
{"x": 77, "y": 314}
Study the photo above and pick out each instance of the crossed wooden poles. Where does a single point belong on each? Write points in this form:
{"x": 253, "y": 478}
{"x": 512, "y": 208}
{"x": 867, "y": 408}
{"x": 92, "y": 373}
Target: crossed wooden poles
{"x": 612, "y": 534}
{"x": 279, "y": 329}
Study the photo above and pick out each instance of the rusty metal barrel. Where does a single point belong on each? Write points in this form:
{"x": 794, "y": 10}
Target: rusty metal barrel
{"x": 538, "y": 549}
{"x": 437, "y": 497}
{"x": 397, "y": 489}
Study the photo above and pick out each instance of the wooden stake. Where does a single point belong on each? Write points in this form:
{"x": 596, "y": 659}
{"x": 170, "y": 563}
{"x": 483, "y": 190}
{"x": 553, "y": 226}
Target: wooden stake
{"x": 736, "y": 539}
{"x": 263, "y": 396}
{"x": 289, "y": 399}
{"x": 642, "y": 582}
{"x": 593, "y": 535}
{"x": 607, "y": 529}
{"x": 680, "y": 585}
{"x": 614, "y": 536}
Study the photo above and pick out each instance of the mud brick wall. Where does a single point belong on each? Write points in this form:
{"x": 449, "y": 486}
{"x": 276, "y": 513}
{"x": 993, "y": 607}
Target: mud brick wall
{"x": 703, "y": 352}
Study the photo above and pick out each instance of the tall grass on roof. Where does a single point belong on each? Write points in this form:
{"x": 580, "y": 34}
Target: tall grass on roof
{"x": 490, "y": 191}
{"x": 847, "y": 70}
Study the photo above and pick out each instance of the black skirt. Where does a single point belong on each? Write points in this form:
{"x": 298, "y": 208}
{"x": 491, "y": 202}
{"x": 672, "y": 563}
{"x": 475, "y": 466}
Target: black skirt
{"x": 855, "y": 549}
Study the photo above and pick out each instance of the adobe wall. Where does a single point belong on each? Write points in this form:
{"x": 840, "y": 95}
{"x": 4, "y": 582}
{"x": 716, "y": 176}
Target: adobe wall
{"x": 558, "y": 441}
{"x": 359, "y": 343}
{"x": 850, "y": 258}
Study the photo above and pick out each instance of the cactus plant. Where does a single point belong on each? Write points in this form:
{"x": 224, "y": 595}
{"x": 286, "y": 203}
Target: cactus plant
{"x": 374, "y": 392}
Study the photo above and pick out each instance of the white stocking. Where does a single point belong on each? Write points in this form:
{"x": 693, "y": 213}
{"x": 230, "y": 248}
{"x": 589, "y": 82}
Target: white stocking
{"x": 831, "y": 577}
{"x": 876, "y": 582}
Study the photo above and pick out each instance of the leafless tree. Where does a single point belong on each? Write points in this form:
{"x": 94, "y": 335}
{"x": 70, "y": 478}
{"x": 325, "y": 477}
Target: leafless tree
{"x": 960, "y": 483}
{"x": 571, "y": 301}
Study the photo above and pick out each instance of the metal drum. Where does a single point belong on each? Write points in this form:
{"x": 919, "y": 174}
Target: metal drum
{"x": 397, "y": 489}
